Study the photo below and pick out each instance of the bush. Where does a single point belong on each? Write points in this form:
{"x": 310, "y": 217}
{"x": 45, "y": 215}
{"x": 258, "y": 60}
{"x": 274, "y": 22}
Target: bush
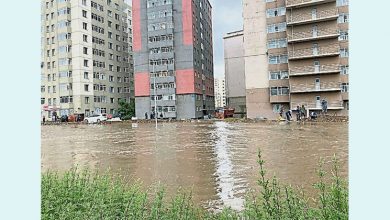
{"x": 87, "y": 195}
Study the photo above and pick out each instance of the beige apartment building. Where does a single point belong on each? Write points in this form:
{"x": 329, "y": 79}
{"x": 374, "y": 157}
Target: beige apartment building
{"x": 219, "y": 92}
{"x": 233, "y": 47}
{"x": 86, "y": 56}
{"x": 296, "y": 53}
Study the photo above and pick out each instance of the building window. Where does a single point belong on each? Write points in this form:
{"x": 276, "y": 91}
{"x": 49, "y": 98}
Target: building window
{"x": 277, "y": 59}
{"x": 341, "y": 2}
{"x": 85, "y": 50}
{"x": 84, "y": 2}
{"x": 86, "y": 100}
{"x": 343, "y": 18}
{"x": 274, "y": 12}
{"x": 344, "y": 52}
{"x": 277, "y": 43}
{"x": 84, "y": 13}
{"x": 86, "y": 75}
{"x": 42, "y": 101}
{"x": 343, "y": 35}
{"x": 85, "y": 63}
{"x": 85, "y": 26}
{"x": 86, "y": 87}
{"x": 85, "y": 38}
{"x": 276, "y": 108}
{"x": 344, "y": 70}
{"x": 344, "y": 87}
{"x": 274, "y": 28}
{"x": 279, "y": 91}
{"x": 276, "y": 75}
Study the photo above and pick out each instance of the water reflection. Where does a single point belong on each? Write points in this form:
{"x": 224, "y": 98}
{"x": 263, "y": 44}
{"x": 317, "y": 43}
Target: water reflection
{"x": 217, "y": 161}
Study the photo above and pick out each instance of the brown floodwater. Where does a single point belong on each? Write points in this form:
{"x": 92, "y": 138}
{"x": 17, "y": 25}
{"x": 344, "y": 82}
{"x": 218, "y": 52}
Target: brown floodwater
{"x": 217, "y": 161}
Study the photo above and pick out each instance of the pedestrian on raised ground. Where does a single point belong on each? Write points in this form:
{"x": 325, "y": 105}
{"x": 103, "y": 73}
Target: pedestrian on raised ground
{"x": 146, "y": 115}
{"x": 303, "y": 111}
{"x": 298, "y": 113}
{"x": 44, "y": 119}
{"x": 288, "y": 115}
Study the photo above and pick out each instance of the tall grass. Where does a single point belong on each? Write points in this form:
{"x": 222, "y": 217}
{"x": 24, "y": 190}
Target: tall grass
{"x": 87, "y": 195}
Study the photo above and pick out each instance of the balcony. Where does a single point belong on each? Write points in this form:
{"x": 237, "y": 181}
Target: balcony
{"x": 314, "y": 52}
{"x": 314, "y": 70}
{"x": 315, "y": 87}
{"x": 332, "y": 105}
{"x": 312, "y": 35}
{"x": 307, "y": 18}
{"x": 279, "y": 99}
{"x": 305, "y": 3}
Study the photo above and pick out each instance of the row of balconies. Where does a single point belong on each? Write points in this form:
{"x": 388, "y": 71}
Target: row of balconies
{"x": 305, "y": 3}
{"x": 312, "y": 35}
{"x": 315, "y": 87}
{"x": 314, "y": 52}
{"x": 314, "y": 70}
{"x": 314, "y": 16}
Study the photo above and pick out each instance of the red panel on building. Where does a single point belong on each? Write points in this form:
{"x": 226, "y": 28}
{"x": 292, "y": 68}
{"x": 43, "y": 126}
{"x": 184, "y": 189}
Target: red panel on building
{"x": 185, "y": 81}
{"x": 187, "y": 22}
{"x": 141, "y": 84}
{"x": 137, "y": 43}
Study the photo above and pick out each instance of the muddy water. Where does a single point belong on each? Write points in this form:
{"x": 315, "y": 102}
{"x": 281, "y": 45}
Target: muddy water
{"x": 216, "y": 160}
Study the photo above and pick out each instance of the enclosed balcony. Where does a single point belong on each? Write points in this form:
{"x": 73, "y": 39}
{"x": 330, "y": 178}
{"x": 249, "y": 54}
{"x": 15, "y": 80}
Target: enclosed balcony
{"x": 313, "y": 34}
{"x": 314, "y": 70}
{"x": 316, "y": 105}
{"x": 315, "y": 87}
{"x": 314, "y": 52}
{"x": 313, "y": 17}
{"x": 305, "y": 3}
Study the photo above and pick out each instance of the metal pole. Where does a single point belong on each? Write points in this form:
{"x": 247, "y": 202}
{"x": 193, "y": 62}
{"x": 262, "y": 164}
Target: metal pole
{"x": 155, "y": 96}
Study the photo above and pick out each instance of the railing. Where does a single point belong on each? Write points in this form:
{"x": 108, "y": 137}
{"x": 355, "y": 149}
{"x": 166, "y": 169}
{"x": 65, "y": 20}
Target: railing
{"x": 313, "y": 87}
{"x": 314, "y": 105}
{"x": 322, "y": 14}
{"x": 290, "y": 3}
{"x": 331, "y": 49}
{"x": 305, "y": 70}
{"x": 312, "y": 34}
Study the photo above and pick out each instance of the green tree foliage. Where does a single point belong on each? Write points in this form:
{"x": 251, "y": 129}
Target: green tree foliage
{"x": 126, "y": 109}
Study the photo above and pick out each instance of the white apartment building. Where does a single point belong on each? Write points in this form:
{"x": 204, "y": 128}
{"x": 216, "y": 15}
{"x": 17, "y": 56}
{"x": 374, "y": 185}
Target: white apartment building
{"x": 219, "y": 92}
{"x": 86, "y": 56}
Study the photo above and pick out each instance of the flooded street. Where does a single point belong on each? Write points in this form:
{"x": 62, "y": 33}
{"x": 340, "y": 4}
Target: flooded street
{"x": 218, "y": 160}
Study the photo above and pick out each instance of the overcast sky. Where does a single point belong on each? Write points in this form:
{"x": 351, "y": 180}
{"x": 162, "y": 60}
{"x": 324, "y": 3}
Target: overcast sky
{"x": 227, "y": 17}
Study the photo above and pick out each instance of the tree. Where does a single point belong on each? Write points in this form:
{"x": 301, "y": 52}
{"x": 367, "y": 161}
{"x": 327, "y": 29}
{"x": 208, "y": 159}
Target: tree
{"x": 126, "y": 109}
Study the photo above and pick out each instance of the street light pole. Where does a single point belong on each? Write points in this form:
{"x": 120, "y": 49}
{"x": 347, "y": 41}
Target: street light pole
{"x": 155, "y": 96}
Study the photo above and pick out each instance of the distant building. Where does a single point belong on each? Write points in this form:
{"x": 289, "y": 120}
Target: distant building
{"x": 173, "y": 52}
{"x": 296, "y": 53}
{"x": 220, "y": 92}
{"x": 235, "y": 71}
{"x": 86, "y": 57}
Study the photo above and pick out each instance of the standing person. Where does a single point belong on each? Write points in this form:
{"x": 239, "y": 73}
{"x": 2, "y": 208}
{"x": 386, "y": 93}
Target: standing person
{"x": 298, "y": 113}
{"x": 146, "y": 115}
{"x": 303, "y": 111}
{"x": 281, "y": 112}
{"x": 288, "y": 115}
{"x": 55, "y": 116}
{"x": 44, "y": 119}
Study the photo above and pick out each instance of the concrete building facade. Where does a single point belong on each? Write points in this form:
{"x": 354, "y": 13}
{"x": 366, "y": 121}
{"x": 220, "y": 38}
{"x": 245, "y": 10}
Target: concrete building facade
{"x": 173, "y": 58}
{"x": 220, "y": 93}
{"x": 303, "y": 52}
{"x": 86, "y": 57}
{"x": 235, "y": 71}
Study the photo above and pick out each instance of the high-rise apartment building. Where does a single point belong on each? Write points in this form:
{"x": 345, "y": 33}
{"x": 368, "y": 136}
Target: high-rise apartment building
{"x": 86, "y": 57}
{"x": 302, "y": 48}
{"x": 173, "y": 58}
{"x": 235, "y": 71}
{"x": 220, "y": 92}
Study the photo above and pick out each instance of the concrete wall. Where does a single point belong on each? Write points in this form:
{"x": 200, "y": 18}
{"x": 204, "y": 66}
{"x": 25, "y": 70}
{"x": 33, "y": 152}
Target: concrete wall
{"x": 256, "y": 59}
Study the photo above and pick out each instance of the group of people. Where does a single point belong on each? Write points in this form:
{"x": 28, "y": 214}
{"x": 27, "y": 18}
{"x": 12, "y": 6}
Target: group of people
{"x": 301, "y": 113}
{"x": 152, "y": 115}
